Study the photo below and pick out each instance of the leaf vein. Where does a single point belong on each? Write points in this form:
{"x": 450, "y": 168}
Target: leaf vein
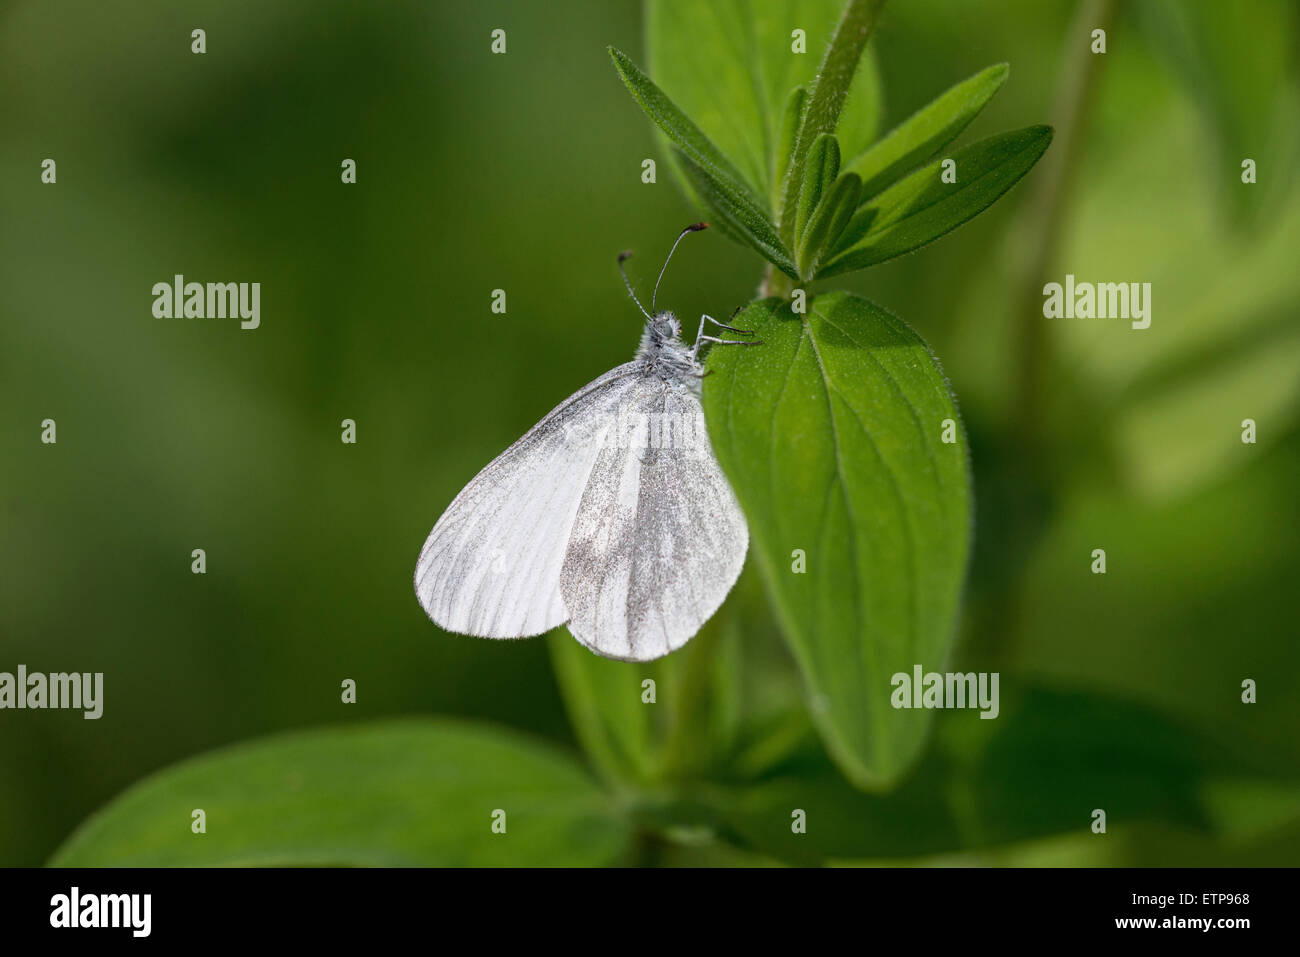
{"x": 866, "y": 646}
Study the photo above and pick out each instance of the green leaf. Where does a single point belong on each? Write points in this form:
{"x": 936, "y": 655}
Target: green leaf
{"x": 827, "y": 96}
{"x": 1019, "y": 777}
{"x": 688, "y": 727}
{"x": 785, "y": 143}
{"x": 729, "y": 65}
{"x": 1256, "y": 372}
{"x": 822, "y": 167}
{"x": 404, "y": 793}
{"x": 688, "y": 137}
{"x": 831, "y": 437}
{"x": 737, "y": 218}
{"x": 1237, "y": 62}
{"x": 828, "y": 222}
{"x": 921, "y": 208}
{"x": 622, "y": 736}
{"x": 714, "y": 179}
{"x": 924, "y": 133}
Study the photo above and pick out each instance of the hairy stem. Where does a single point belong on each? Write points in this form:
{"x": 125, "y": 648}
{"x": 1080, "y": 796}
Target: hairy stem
{"x": 829, "y": 90}
{"x": 691, "y": 696}
{"x": 775, "y": 283}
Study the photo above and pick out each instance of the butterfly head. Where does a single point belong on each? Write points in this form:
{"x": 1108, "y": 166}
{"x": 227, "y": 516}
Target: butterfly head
{"x": 663, "y": 326}
{"x": 662, "y": 335}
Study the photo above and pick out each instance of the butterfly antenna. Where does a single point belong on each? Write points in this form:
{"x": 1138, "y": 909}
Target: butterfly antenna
{"x": 623, "y": 257}
{"x": 692, "y": 228}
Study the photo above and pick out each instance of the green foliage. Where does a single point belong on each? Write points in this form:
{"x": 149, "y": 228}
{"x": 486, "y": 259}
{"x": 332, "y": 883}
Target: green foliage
{"x": 1038, "y": 770}
{"x": 820, "y": 170}
{"x": 827, "y": 95}
{"x": 927, "y": 131}
{"x": 623, "y": 736}
{"x": 1119, "y": 691}
{"x": 1231, "y": 68}
{"x": 829, "y": 220}
{"x": 831, "y": 433}
{"x": 711, "y": 174}
{"x": 656, "y": 721}
{"x": 922, "y": 207}
{"x": 794, "y": 106}
{"x": 765, "y": 154}
{"x": 407, "y": 793}
{"x": 831, "y": 436}
{"x": 728, "y": 64}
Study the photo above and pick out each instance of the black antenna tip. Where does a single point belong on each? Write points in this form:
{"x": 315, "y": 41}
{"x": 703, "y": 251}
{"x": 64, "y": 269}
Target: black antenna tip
{"x": 696, "y": 227}
{"x": 624, "y": 256}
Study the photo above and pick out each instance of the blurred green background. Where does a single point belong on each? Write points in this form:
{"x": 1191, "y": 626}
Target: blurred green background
{"x": 522, "y": 172}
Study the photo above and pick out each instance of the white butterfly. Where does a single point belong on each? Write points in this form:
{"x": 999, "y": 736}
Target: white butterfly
{"x": 611, "y": 515}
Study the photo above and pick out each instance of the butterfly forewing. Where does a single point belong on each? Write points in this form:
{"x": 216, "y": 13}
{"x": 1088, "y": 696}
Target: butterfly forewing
{"x": 491, "y": 566}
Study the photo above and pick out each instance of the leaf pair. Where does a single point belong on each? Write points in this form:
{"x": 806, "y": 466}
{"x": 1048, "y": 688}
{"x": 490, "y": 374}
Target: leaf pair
{"x": 826, "y": 204}
{"x": 902, "y": 212}
{"x": 923, "y": 206}
{"x": 436, "y": 792}
{"x": 868, "y": 210}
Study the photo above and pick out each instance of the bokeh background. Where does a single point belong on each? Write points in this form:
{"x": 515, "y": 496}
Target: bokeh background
{"x": 522, "y": 172}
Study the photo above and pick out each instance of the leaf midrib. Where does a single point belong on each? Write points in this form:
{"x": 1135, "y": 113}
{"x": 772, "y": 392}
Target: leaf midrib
{"x": 867, "y": 647}
{"x": 898, "y": 390}
{"x": 917, "y": 211}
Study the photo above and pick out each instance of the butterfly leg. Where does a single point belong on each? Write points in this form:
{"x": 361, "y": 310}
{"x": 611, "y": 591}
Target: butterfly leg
{"x": 701, "y": 337}
{"x": 723, "y": 325}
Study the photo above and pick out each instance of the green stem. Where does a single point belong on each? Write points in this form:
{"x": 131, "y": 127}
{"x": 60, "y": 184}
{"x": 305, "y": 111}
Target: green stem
{"x": 775, "y": 283}
{"x": 999, "y": 625}
{"x": 1042, "y": 233}
{"x": 822, "y": 113}
{"x": 681, "y": 749}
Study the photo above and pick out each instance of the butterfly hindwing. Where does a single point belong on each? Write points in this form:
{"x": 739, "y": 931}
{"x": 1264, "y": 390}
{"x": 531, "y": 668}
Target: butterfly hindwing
{"x": 659, "y": 538}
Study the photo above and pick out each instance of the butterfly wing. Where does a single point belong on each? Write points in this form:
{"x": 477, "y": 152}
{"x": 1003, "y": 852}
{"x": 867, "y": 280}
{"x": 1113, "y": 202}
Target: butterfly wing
{"x": 659, "y": 538}
{"x": 491, "y": 565}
